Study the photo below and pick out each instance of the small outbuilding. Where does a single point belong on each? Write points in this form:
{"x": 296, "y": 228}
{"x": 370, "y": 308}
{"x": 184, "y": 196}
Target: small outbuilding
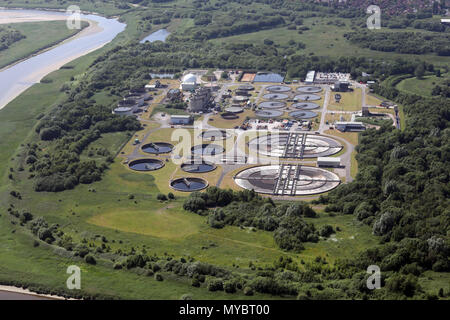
{"x": 329, "y": 162}
{"x": 181, "y": 119}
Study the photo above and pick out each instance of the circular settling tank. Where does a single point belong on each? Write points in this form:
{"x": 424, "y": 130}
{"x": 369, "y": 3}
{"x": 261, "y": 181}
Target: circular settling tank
{"x": 309, "y": 89}
{"x": 305, "y": 105}
{"x": 189, "y": 184}
{"x": 272, "y": 105}
{"x": 207, "y": 149}
{"x": 246, "y": 87}
{"x": 229, "y": 116}
{"x": 269, "y": 113}
{"x": 306, "y": 181}
{"x": 234, "y": 109}
{"x": 275, "y": 96}
{"x": 157, "y": 147}
{"x": 278, "y": 89}
{"x": 240, "y": 98}
{"x": 146, "y": 164}
{"x": 214, "y": 135}
{"x": 303, "y": 114}
{"x": 306, "y": 97}
{"x": 198, "y": 166}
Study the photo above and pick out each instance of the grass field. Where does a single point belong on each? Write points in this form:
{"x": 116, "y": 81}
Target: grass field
{"x": 351, "y": 137}
{"x": 322, "y": 39}
{"x": 351, "y": 101}
{"x": 219, "y": 122}
{"x": 422, "y": 86}
{"x": 39, "y": 36}
{"x": 372, "y": 100}
{"x": 106, "y": 8}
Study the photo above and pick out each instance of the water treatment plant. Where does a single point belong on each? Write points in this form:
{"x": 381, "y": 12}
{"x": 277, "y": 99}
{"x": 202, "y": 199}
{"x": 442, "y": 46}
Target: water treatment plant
{"x": 278, "y": 121}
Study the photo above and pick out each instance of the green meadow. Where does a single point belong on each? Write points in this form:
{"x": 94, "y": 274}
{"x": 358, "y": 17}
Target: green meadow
{"x": 39, "y": 36}
{"x": 323, "y": 39}
{"x": 422, "y": 86}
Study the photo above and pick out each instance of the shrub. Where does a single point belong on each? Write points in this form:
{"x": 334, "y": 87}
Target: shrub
{"x": 215, "y": 284}
{"x": 161, "y": 197}
{"x": 326, "y": 231}
{"x": 195, "y": 283}
{"x": 158, "y": 277}
{"x": 90, "y": 259}
{"x": 248, "y": 291}
{"x": 229, "y": 287}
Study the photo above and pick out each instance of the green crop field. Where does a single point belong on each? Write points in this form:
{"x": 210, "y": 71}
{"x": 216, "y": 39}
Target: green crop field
{"x": 39, "y": 36}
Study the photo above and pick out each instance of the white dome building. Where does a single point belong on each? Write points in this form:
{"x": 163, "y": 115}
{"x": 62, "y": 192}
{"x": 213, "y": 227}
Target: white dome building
{"x": 189, "y": 82}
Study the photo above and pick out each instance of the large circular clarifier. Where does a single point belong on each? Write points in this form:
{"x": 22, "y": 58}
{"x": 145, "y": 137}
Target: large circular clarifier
{"x": 234, "y": 109}
{"x": 287, "y": 180}
{"x": 303, "y": 114}
{"x": 246, "y": 87}
{"x": 306, "y": 97}
{"x": 278, "y": 89}
{"x": 309, "y": 89}
{"x": 272, "y": 105}
{"x": 305, "y": 105}
{"x": 268, "y": 113}
{"x": 189, "y": 184}
{"x": 198, "y": 167}
{"x": 275, "y": 96}
{"x": 146, "y": 164}
{"x": 157, "y": 148}
{"x": 207, "y": 149}
{"x": 294, "y": 145}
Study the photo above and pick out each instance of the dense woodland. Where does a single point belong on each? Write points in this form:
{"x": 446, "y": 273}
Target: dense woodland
{"x": 402, "y": 42}
{"x": 402, "y": 188}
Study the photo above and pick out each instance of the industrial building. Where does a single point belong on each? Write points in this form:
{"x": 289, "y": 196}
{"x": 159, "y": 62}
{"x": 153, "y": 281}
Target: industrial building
{"x": 339, "y": 86}
{"x": 350, "y": 126}
{"x": 310, "y": 77}
{"x": 181, "y": 119}
{"x": 329, "y": 162}
{"x": 200, "y": 100}
{"x": 189, "y": 82}
{"x": 331, "y": 78}
{"x": 132, "y": 103}
{"x": 174, "y": 95}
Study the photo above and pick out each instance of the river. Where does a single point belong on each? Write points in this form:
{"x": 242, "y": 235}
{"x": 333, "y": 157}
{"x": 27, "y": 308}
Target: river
{"x": 6, "y": 295}
{"x": 19, "y": 77}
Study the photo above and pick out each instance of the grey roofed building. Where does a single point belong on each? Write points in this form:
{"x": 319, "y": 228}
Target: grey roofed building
{"x": 350, "y": 126}
{"x": 181, "y": 119}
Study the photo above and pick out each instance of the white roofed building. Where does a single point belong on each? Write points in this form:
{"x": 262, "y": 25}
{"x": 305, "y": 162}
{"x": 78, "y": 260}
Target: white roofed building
{"x": 189, "y": 82}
